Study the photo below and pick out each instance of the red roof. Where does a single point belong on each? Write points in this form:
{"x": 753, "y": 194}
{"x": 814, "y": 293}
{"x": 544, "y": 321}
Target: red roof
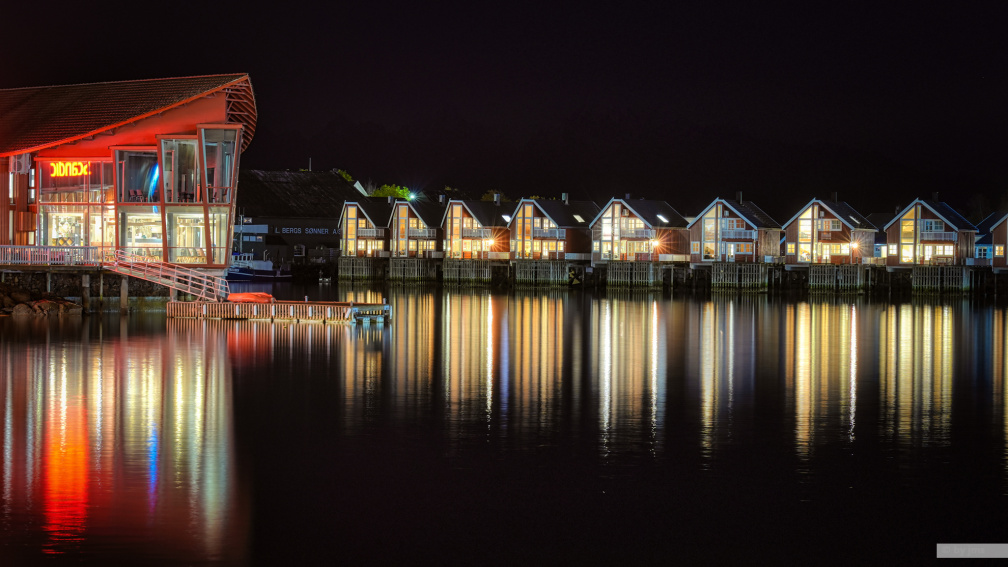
{"x": 34, "y": 118}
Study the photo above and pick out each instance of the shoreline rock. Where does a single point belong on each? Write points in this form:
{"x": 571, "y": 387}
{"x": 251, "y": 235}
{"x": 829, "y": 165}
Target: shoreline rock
{"x": 18, "y": 302}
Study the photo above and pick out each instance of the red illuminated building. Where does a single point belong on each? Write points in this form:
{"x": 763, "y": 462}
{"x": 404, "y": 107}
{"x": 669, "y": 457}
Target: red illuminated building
{"x": 148, "y": 167}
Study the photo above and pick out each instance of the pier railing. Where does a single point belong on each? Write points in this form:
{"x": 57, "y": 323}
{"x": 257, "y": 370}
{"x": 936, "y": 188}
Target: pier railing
{"x": 53, "y": 255}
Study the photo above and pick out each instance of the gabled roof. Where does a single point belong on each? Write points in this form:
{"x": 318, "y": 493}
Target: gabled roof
{"x": 374, "y": 208}
{"x": 430, "y": 212}
{"x": 987, "y": 225}
{"x": 657, "y": 214}
{"x": 34, "y": 118}
{"x": 487, "y": 213}
{"x": 944, "y": 212}
{"x": 562, "y": 213}
{"x": 841, "y": 210}
{"x": 746, "y": 209}
{"x": 879, "y": 220}
{"x": 297, "y": 194}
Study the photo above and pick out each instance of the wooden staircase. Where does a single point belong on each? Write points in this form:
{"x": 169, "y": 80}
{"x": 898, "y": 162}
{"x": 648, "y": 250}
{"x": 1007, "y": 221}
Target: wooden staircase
{"x": 186, "y": 280}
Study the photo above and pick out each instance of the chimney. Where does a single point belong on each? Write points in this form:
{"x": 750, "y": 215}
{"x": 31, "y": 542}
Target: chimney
{"x": 440, "y": 198}
{"x": 626, "y": 197}
{"x": 934, "y": 196}
{"x": 391, "y": 199}
{"x": 565, "y": 198}
{"x": 738, "y": 197}
{"x": 497, "y": 199}
{"x": 836, "y": 197}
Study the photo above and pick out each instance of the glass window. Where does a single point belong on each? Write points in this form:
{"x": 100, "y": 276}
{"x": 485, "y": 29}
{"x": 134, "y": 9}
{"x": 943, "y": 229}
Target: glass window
{"x": 218, "y": 233}
{"x": 63, "y": 225}
{"x": 907, "y": 254}
{"x": 804, "y": 231}
{"x": 186, "y": 235}
{"x": 999, "y": 250}
{"x": 790, "y": 247}
{"x": 137, "y": 177}
{"x": 181, "y": 180}
{"x": 220, "y": 161}
{"x": 75, "y": 181}
{"x": 140, "y": 232}
{"x": 907, "y": 231}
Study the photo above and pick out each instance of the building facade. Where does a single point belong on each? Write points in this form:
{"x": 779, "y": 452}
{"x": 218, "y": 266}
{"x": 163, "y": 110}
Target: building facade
{"x": 144, "y": 167}
{"x": 733, "y": 231}
{"x": 638, "y": 230}
{"x": 828, "y": 232}
{"x": 475, "y": 230}
{"x": 929, "y": 233}
{"x": 548, "y": 229}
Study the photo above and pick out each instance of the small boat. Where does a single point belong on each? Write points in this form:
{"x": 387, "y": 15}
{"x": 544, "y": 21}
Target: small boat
{"x": 245, "y": 268}
{"x": 250, "y": 297}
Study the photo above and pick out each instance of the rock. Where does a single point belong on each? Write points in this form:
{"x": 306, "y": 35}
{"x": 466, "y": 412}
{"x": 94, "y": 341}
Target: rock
{"x": 22, "y": 309}
{"x": 20, "y": 296}
{"x": 7, "y": 302}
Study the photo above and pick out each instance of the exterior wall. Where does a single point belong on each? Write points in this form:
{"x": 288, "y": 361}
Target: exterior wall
{"x": 78, "y": 205}
{"x": 619, "y": 234}
{"x": 466, "y": 238}
{"x": 531, "y": 243}
{"x": 921, "y": 247}
{"x": 999, "y": 237}
{"x": 359, "y": 236}
{"x": 409, "y": 236}
{"x": 822, "y": 244}
{"x": 745, "y": 244}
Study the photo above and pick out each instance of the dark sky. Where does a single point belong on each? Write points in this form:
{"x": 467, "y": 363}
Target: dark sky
{"x": 665, "y": 99}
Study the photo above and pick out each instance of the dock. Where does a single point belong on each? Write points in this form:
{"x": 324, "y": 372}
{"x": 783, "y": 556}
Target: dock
{"x": 284, "y": 311}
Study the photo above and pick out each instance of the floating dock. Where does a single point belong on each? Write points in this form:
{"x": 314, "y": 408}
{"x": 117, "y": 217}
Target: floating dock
{"x": 294, "y": 311}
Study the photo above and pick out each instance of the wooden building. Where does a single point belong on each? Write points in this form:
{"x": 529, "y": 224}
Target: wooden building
{"x": 146, "y": 167}
{"x": 549, "y": 229}
{"x": 992, "y": 237}
{"x": 734, "y": 231}
{"x": 638, "y": 230}
{"x": 929, "y": 233}
{"x": 475, "y": 230}
{"x": 364, "y": 227}
{"x": 415, "y": 229}
{"x": 828, "y": 232}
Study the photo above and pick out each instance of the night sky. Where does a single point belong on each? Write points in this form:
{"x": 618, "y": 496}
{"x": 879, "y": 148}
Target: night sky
{"x": 664, "y": 100}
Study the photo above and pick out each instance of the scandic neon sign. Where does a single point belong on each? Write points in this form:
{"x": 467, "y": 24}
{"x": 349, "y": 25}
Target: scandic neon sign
{"x": 69, "y": 168}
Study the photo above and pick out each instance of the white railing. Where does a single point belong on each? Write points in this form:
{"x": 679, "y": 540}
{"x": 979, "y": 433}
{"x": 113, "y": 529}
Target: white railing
{"x": 53, "y": 255}
{"x": 637, "y": 233}
{"x": 476, "y": 233}
{"x": 738, "y": 233}
{"x": 938, "y": 236}
{"x": 558, "y": 233}
{"x": 422, "y": 233}
{"x": 371, "y": 233}
{"x": 194, "y": 282}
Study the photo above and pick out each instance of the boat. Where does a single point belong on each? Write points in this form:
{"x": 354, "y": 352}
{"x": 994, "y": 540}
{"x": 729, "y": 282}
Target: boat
{"x": 245, "y": 268}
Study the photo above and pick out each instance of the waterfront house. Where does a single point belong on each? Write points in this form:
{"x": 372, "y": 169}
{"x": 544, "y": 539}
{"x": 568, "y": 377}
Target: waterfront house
{"x": 638, "y": 230}
{"x": 475, "y": 229}
{"x": 550, "y": 229}
{"x": 415, "y": 229}
{"x": 929, "y": 233}
{"x": 734, "y": 231}
{"x": 828, "y": 232}
{"x": 364, "y": 227}
{"x": 146, "y": 167}
{"x": 992, "y": 236}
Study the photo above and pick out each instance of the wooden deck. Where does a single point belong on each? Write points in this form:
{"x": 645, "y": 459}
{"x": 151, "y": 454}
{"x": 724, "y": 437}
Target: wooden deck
{"x": 293, "y": 311}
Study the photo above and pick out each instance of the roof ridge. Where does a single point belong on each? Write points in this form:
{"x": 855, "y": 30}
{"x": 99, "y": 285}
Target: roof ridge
{"x": 126, "y": 81}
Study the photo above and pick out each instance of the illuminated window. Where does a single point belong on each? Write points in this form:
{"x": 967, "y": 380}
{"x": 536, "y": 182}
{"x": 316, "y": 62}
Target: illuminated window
{"x": 695, "y": 247}
{"x": 804, "y": 231}
{"x": 999, "y": 250}
{"x": 907, "y": 254}
{"x": 892, "y": 250}
{"x": 137, "y": 177}
{"x": 790, "y": 247}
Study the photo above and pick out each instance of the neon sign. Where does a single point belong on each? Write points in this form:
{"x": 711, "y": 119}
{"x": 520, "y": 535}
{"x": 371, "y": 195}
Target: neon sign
{"x": 69, "y": 168}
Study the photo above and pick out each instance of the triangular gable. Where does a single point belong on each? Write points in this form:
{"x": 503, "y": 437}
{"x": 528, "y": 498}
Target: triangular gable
{"x": 469, "y": 206}
{"x": 840, "y": 216}
{"x": 728, "y": 204}
{"x": 994, "y": 219}
{"x": 900, "y": 214}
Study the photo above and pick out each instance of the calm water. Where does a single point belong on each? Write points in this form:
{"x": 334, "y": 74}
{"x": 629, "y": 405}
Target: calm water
{"x": 495, "y": 428}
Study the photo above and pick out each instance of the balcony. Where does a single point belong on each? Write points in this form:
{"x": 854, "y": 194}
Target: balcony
{"x": 936, "y": 236}
{"x": 557, "y": 233}
{"x": 738, "y": 234}
{"x": 481, "y": 233}
{"x": 422, "y": 233}
{"x": 371, "y": 232}
{"x": 643, "y": 233}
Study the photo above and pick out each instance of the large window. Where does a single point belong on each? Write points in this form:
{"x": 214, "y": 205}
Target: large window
{"x": 140, "y": 232}
{"x": 75, "y": 181}
{"x": 220, "y": 240}
{"x": 187, "y": 242}
{"x": 137, "y": 176}
{"x": 180, "y": 176}
{"x": 220, "y": 161}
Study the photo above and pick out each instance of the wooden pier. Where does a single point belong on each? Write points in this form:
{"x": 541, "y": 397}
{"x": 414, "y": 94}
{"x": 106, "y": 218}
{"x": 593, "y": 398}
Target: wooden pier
{"x": 293, "y": 311}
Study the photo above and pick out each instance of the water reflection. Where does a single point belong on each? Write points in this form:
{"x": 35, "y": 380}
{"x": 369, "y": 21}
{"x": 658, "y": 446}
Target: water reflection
{"x": 108, "y": 439}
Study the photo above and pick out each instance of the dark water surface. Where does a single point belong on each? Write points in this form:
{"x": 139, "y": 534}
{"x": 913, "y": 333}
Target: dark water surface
{"x": 498, "y": 428}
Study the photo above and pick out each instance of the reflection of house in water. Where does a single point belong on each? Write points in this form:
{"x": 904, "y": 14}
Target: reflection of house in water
{"x": 101, "y": 430}
{"x": 915, "y": 372}
{"x": 628, "y": 352}
{"x": 820, "y": 369}
{"x": 470, "y": 340}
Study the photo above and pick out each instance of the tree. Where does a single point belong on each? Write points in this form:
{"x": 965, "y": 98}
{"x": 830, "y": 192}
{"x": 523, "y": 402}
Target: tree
{"x": 391, "y": 191}
{"x": 345, "y": 175}
{"x": 491, "y": 194}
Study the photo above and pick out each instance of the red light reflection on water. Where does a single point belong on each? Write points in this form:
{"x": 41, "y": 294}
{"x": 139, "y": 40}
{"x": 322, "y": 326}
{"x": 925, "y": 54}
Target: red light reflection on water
{"x": 65, "y": 484}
